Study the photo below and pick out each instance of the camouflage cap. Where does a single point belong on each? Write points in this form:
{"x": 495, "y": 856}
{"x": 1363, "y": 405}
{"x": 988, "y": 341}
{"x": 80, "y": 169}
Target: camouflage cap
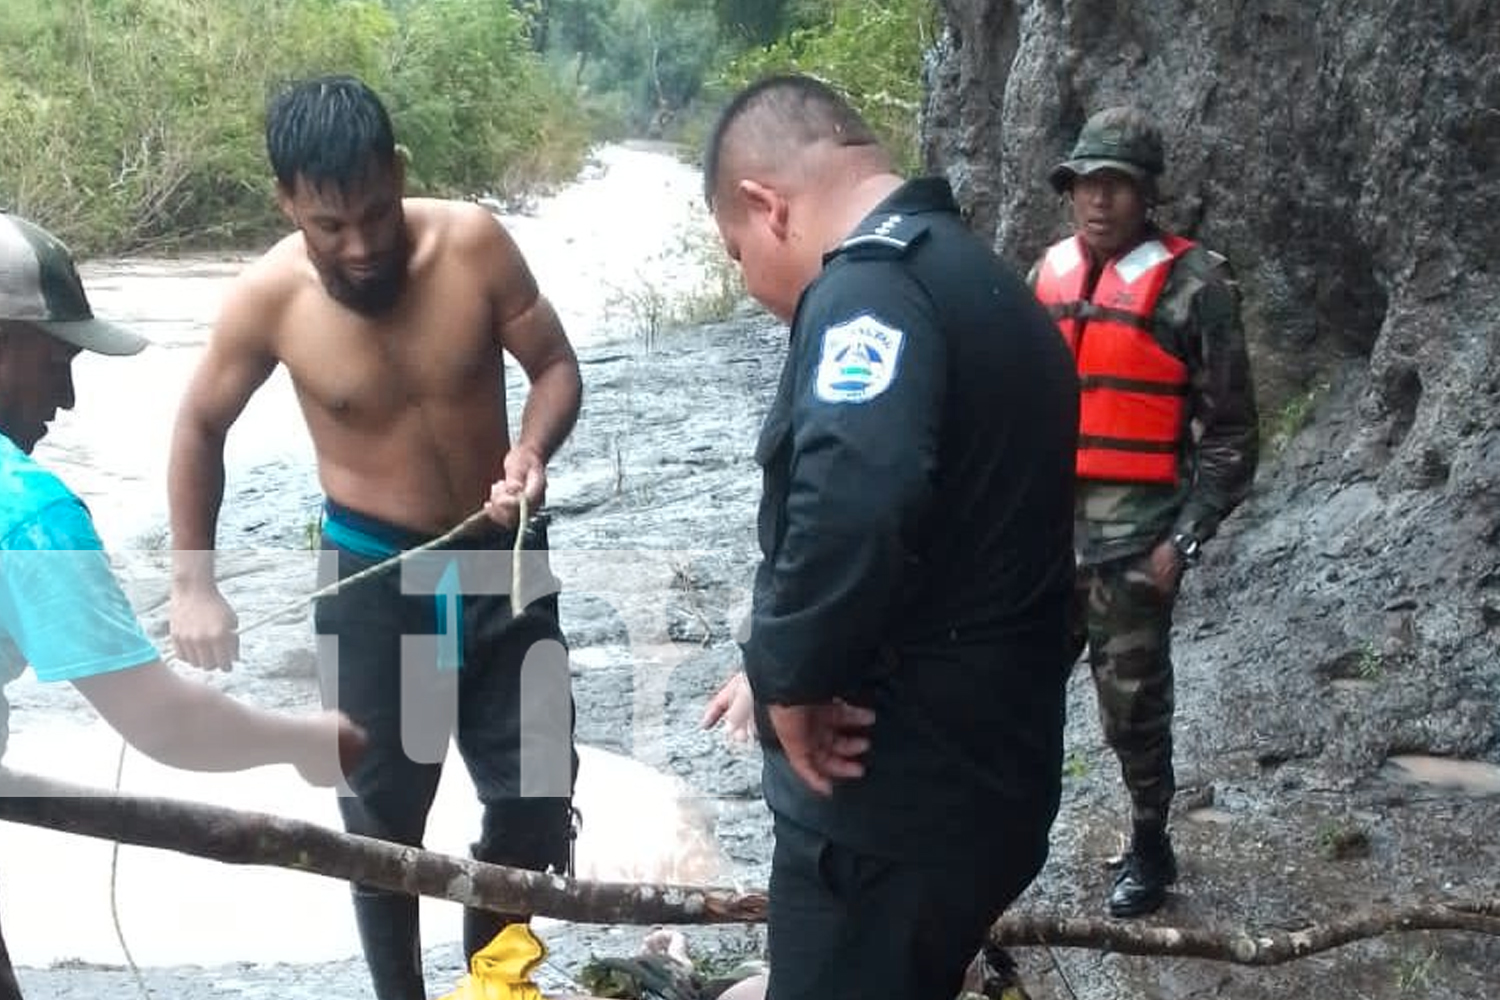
{"x": 40, "y": 285}
{"x": 1120, "y": 138}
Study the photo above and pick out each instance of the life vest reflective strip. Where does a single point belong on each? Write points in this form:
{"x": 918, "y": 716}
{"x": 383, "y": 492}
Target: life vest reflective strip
{"x": 1132, "y": 390}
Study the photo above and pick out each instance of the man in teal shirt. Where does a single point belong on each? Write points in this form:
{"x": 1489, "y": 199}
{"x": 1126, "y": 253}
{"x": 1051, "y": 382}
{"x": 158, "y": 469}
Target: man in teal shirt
{"x": 61, "y": 609}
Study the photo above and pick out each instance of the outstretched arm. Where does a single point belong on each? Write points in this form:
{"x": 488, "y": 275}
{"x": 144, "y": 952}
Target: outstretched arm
{"x": 187, "y": 724}
{"x": 64, "y": 611}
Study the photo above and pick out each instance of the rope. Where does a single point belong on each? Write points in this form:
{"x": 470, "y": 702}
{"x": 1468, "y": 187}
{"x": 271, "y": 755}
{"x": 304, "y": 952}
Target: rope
{"x": 114, "y": 902}
{"x": 516, "y": 605}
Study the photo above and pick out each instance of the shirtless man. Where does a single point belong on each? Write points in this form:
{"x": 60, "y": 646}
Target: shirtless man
{"x": 390, "y": 314}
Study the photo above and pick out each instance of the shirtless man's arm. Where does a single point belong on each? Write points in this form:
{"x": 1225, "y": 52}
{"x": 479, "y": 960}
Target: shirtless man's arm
{"x": 237, "y": 362}
{"x": 528, "y": 328}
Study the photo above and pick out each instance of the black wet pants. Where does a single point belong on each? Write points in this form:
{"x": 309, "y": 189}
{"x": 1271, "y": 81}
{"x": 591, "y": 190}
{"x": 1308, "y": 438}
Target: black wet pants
{"x": 506, "y": 701}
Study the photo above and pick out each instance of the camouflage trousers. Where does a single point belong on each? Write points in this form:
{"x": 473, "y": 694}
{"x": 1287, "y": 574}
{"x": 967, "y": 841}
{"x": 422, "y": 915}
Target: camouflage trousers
{"x": 1126, "y": 624}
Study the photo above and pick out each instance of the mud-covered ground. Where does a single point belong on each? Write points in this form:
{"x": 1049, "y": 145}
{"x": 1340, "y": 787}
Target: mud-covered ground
{"x": 1304, "y": 666}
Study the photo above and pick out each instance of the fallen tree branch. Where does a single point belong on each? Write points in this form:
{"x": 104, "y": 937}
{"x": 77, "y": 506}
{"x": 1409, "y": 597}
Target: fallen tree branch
{"x": 248, "y": 838}
{"x": 1242, "y": 947}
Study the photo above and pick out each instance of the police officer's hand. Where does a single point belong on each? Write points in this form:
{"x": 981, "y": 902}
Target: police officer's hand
{"x": 1165, "y": 564}
{"x": 203, "y": 628}
{"x": 736, "y": 706}
{"x": 823, "y": 743}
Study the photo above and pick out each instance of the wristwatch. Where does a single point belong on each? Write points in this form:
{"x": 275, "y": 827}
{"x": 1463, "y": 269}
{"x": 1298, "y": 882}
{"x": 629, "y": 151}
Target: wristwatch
{"x": 1188, "y": 547}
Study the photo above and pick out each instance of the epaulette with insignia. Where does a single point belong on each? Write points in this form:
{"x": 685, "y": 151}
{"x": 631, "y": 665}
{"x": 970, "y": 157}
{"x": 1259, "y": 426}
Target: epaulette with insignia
{"x": 884, "y": 236}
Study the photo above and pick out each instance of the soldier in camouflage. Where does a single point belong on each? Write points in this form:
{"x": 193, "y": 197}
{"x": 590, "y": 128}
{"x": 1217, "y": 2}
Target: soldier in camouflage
{"x": 1167, "y": 449}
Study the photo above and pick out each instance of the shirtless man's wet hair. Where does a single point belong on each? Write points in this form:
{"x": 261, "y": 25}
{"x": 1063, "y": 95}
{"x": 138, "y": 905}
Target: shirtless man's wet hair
{"x": 331, "y": 130}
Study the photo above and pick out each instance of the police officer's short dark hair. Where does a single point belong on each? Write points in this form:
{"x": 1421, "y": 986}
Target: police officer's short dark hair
{"x": 328, "y": 130}
{"x": 791, "y": 111}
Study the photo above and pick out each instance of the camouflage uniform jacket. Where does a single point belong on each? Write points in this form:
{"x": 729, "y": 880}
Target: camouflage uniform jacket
{"x": 1197, "y": 319}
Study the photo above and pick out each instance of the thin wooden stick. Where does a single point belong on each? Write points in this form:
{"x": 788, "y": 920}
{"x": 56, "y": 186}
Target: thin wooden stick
{"x": 1238, "y": 946}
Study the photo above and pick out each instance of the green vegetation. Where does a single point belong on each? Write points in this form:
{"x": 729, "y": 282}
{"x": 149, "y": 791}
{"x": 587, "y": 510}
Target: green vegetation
{"x": 136, "y": 124}
{"x": 660, "y": 68}
{"x": 649, "y": 308}
{"x": 721, "y": 290}
{"x": 870, "y": 51}
{"x": 471, "y": 102}
{"x": 1414, "y": 969}
{"x": 1371, "y": 663}
{"x": 1340, "y": 840}
{"x": 1280, "y": 427}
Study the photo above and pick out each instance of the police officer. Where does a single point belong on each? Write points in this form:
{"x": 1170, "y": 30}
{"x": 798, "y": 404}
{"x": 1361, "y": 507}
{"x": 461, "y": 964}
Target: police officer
{"x": 1166, "y": 449}
{"x": 907, "y": 644}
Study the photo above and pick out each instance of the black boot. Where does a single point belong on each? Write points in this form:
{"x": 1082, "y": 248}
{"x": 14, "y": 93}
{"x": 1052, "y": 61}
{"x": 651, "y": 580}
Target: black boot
{"x": 1141, "y": 885}
{"x": 389, "y": 934}
{"x": 534, "y": 834}
{"x": 480, "y": 928}
{"x": 9, "y": 988}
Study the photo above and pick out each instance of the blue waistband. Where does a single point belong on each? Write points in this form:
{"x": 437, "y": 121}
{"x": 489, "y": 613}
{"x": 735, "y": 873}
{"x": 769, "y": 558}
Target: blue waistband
{"x": 365, "y": 535}
{"x": 372, "y": 538}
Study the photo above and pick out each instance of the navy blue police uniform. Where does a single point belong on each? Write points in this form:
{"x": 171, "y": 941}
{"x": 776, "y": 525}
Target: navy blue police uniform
{"x": 916, "y": 533}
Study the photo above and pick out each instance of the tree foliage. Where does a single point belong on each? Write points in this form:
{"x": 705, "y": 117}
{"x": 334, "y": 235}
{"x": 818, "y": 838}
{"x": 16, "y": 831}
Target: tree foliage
{"x": 659, "y": 53}
{"x": 870, "y": 51}
{"x": 132, "y": 124}
{"x": 137, "y": 123}
{"x": 663, "y": 59}
{"x": 464, "y": 86}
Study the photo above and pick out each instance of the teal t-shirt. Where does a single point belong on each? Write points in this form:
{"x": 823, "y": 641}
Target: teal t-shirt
{"x": 61, "y": 609}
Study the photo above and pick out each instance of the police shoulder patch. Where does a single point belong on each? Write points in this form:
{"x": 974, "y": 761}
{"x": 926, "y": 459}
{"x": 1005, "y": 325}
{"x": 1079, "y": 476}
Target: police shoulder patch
{"x": 858, "y": 360}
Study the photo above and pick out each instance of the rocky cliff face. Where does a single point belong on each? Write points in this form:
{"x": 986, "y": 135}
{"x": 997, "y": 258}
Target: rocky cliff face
{"x": 1346, "y": 158}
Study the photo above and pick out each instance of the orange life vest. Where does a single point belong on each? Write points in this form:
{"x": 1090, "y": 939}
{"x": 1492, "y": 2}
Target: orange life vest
{"x": 1133, "y": 392}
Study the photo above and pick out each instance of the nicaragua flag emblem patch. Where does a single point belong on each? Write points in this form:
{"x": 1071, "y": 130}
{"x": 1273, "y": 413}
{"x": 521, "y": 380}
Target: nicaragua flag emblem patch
{"x": 858, "y": 360}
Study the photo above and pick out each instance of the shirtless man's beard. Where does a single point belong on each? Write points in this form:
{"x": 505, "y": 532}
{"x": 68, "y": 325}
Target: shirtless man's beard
{"x": 373, "y": 293}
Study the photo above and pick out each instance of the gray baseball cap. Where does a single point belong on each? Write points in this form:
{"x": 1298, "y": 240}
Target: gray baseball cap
{"x": 40, "y": 285}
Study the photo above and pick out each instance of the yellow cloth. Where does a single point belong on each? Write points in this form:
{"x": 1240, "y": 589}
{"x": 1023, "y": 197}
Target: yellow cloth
{"x": 501, "y": 970}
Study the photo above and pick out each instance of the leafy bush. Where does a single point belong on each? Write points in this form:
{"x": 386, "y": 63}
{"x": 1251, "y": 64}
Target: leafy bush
{"x": 137, "y": 123}
{"x": 872, "y": 52}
